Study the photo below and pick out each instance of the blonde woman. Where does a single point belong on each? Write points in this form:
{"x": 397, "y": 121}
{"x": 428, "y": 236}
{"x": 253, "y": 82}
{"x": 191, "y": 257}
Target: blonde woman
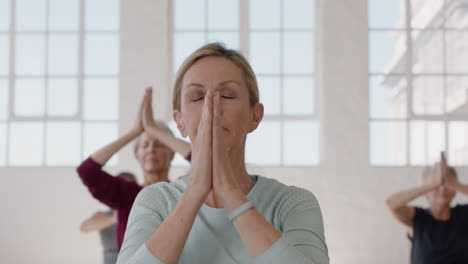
{"x": 220, "y": 213}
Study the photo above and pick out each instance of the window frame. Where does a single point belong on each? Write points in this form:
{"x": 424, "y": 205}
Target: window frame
{"x": 409, "y": 74}
{"x": 81, "y": 33}
{"x": 244, "y": 33}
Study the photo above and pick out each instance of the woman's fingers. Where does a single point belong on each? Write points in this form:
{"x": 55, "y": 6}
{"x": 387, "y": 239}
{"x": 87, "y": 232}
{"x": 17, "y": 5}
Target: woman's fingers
{"x": 147, "y": 113}
{"x": 443, "y": 161}
{"x": 204, "y": 128}
{"x": 217, "y": 128}
{"x": 143, "y": 100}
{"x": 201, "y": 167}
{"x": 138, "y": 125}
{"x": 443, "y": 167}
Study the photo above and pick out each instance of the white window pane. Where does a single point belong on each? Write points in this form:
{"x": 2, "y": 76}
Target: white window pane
{"x": 231, "y": 40}
{"x": 184, "y": 45}
{"x": 428, "y": 49}
{"x": 102, "y": 54}
{"x": 4, "y": 54}
{"x": 428, "y": 95}
{"x": 263, "y": 145}
{"x": 457, "y": 96}
{"x": 101, "y": 99}
{"x": 63, "y": 145}
{"x": 31, "y": 15}
{"x": 30, "y": 54}
{"x": 423, "y": 13}
{"x": 223, "y": 14}
{"x": 63, "y": 54}
{"x": 64, "y": 14}
{"x": 62, "y": 97}
{"x": 387, "y": 52}
{"x": 298, "y": 96}
{"x": 26, "y": 143}
{"x": 102, "y": 15}
{"x": 270, "y": 94}
{"x": 456, "y": 46}
{"x": 264, "y": 14}
{"x": 189, "y": 14}
{"x": 178, "y": 159}
{"x": 96, "y": 136}
{"x": 4, "y": 15}
{"x": 301, "y": 143}
{"x": 4, "y": 99}
{"x": 387, "y": 96}
{"x": 388, "y": 143}
{"x": 29, "y": 97}
{"x": 427, "y": 141}
{"x": 298, "y": 52}
{"x": 3, "y": 142}
{"x": 458, "y": 143}
{"x": 299, "y": 14}
{"x": 264, "y": 52}
{"x": 386, "y": 14}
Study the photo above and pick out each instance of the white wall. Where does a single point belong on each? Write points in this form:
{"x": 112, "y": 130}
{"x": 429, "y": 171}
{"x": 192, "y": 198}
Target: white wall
{"x": 42, "y": 208}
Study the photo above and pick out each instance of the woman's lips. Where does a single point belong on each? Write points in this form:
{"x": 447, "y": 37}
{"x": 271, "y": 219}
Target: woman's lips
{"x": 151, "y": 158}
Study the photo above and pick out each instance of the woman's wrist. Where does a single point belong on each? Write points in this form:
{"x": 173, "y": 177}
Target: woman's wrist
{"x": 134, "y": 132}
{"x": 431, "y": 186}
{"x": 152, "y": 129}
{"x": 233, "y": 199}
{"x": 194, "y": 196}
{"x": 456, "y": 186}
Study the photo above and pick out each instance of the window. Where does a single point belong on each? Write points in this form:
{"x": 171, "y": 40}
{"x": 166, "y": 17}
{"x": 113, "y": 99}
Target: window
{"x": 59, "y": 80}
{"x": 418, "y": 82}
{"x": 280, "y": 45}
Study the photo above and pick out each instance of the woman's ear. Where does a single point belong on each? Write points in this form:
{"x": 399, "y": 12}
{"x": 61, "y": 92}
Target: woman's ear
{"x": 180, "y": 122}
{"x": 257, "y": 116}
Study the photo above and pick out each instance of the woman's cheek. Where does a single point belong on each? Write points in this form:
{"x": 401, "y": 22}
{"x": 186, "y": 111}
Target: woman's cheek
{"x": 192, "y": 128}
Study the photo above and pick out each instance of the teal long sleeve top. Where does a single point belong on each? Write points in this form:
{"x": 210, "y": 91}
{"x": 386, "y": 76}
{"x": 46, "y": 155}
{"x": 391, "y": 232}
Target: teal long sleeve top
{"x": 295, "y": 212}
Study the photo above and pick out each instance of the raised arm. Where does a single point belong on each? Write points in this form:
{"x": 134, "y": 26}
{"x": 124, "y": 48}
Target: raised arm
{"x": 398, "y": 202}
{"x": 168, "y": 237}
{"x": 455, "y": 185}
{"x": 98, "y": 221}
{"x": 103, "y": 186}
{"x": 302, "y": 239}
{"x": 104, "y": 154}
{"x": 151, "y": 127}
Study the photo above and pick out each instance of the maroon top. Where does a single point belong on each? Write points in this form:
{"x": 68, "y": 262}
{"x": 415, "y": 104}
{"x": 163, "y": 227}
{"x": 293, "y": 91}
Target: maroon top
{"x": 115, "y": 192}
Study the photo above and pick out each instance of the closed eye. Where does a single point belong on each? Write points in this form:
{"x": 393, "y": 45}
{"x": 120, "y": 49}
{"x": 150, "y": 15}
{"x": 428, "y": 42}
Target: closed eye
{"x": 198, "y": 99}
{"x": 228, "y": 97}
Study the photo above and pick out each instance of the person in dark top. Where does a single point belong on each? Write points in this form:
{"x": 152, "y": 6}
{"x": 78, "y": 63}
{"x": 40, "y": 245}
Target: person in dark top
{"x": 105, "y": 222}
{"x": 438, "y": 234}
{"x": 154, "y": 150}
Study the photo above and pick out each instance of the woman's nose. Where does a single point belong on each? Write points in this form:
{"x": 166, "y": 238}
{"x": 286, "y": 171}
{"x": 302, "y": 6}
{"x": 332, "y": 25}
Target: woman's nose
{"x": 151, "y": 147}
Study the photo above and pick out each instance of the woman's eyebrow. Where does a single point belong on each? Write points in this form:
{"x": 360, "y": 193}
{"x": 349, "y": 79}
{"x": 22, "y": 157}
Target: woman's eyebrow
{"x": 219, "y": 84}
{"x": 225, "y": 82}
{"x": 194, "y": 84}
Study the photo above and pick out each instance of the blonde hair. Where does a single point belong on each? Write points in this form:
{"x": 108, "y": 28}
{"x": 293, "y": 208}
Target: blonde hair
{"x": 217, "y": 50}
